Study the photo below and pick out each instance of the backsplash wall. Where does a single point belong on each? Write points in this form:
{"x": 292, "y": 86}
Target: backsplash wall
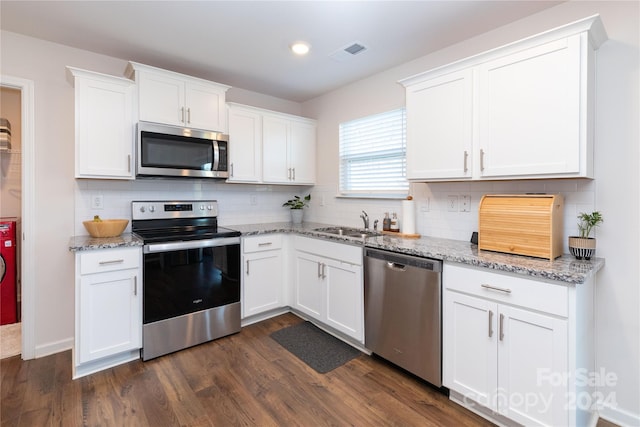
{"x": 246, "y": 203}
{"x": 433, "y": 217}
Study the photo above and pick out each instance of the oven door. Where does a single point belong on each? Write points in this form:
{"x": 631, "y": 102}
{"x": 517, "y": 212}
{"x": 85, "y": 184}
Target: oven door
{"x": 177, "y": 152}
{"x": 188, "y": 277}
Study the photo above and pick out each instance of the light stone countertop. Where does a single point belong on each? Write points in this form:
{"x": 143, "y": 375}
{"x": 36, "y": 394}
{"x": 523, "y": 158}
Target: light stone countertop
{"x": 565, "y": 269}
{"x": 88, "y": 243}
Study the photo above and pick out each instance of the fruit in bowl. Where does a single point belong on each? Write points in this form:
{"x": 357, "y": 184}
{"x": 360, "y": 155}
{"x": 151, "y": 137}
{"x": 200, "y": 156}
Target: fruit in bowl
{"x": 99, "y": 227}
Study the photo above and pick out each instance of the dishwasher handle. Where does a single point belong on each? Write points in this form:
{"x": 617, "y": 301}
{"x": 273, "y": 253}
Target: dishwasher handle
{"x": 400, "y": 259}
{"x": 396, "y": 267}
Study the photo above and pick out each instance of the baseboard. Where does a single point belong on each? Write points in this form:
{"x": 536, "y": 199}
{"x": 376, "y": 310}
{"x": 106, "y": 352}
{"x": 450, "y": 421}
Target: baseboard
{"x": 53, "y": 347}
{"x": 619, "y": 416}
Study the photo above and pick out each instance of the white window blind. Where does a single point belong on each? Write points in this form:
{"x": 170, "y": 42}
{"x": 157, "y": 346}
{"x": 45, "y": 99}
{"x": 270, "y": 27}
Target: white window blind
{"x": 373, "y": 155}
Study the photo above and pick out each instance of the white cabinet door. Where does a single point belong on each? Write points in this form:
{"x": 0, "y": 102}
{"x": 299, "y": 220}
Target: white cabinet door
{"x": 470, "y": 350}
{"x": 178, "y": 99}
{"x": 110, "y": 314}
{"x": 245, "y": 140}
{"x": 440, "y": 127}
{"x": 302, "y": 152}
{"x": 344, "y": 298}
{"x": 105, "y": 126}
{"x": 532, "y": 360}
{"x": 205, "y": 107}
{"x": 263, "y": 282}
{"x": 529, "y": 111}
{"x": 161, "y": 99}
{"x": 309, "y": 285}
{"x": 275, "y": 149}
{"x": 289, "y": 148}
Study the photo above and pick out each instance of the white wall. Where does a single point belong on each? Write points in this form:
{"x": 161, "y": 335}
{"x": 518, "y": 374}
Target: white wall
{"x": 615, "y": 191}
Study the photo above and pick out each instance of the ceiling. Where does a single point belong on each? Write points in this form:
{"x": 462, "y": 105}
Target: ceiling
{"x": 246, "y": 43}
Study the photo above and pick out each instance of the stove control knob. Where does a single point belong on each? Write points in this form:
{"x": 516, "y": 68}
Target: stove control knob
{"x": 201, "y": 207}
{"x": 152, "y": 208}
{"x": 142, "y": 209}
{"x": 209, "y": 207}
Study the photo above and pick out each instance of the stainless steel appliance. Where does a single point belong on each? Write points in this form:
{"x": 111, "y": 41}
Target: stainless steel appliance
{"x": 170, "y": 151}
{"x": 191, "y": 275}
{"x": 403, "y": 311}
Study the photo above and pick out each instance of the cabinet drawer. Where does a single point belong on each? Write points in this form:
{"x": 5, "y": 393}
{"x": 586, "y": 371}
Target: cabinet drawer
{"x": 262, "y": 243}
{"x": 100, "y": 261}
{"x": 505, "y": 288}
{"x": 339, "y": 251}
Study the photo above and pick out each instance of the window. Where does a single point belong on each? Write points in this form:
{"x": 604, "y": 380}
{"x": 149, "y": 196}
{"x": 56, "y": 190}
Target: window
{"x": 373, "y": 159}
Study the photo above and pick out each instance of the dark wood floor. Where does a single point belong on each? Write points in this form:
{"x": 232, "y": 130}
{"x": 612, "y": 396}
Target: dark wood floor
{"x": 243, "y": 380}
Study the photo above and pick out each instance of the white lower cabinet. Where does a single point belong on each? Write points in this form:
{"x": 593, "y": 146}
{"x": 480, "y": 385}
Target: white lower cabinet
{"x": 263, "y": 274}
{"x": 329, "y": 284}
{"x": 510, "y": 346}
{"x": 108, "y": 308}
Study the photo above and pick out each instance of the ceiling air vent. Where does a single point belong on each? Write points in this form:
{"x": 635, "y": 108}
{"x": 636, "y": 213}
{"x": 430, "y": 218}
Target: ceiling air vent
{"x": 348, "y": 52}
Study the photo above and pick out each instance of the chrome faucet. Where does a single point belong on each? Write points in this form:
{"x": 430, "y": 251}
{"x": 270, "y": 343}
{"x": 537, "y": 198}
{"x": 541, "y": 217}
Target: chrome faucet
{"x": 365, "y": 219}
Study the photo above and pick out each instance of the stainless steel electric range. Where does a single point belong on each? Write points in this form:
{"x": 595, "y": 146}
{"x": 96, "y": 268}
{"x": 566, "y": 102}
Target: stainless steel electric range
{"x": 191, "y": 275}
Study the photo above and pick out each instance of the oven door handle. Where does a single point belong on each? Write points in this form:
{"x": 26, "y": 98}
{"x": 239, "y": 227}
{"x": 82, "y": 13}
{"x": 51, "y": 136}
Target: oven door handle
{"x": 190, "y": 244}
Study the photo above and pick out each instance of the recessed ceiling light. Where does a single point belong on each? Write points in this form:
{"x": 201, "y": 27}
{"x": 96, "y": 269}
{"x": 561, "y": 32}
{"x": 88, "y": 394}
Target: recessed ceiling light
{"x": 300, "y": 48}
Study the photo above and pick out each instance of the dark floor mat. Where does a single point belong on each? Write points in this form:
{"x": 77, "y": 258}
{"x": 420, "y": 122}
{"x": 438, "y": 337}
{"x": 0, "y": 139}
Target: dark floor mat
{"x": 315, "y": 347}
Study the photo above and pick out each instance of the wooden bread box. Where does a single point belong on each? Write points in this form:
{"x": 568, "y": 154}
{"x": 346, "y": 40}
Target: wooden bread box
{"x": 521, "y": 224}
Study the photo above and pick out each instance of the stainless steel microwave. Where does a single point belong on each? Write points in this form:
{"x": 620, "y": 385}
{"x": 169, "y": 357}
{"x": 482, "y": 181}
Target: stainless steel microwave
{"x": 170, "y": 151}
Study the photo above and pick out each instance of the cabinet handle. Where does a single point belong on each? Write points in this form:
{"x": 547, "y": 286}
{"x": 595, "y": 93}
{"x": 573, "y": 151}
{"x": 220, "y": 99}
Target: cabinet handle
{"x": 481, "y": 159}
{"x": 231, "y": 171}
{"x": 466, "y": 156}
{"x": 189, "y": 115}
{"x": 501, "y": 326}
{"x": 289, "y": 174}
{"x": 129, "y": 163}
{"x": 319, "y": 269}
{"x": 248, "y": 267}
{"x": 495, "y": 288}
{"x": 294, "y": 174}
{"x": 135, "y": 285}
{"x": 182, "y": 115}
{"x": 324, "y": 274}
{"x": 113, "y": 261}
{"x": 265, "y": 244}
{"x": 490, "y": 323}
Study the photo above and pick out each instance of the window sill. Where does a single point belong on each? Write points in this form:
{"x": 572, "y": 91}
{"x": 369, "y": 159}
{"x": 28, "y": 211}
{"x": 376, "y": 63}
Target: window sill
{"x": 373, "y": 196}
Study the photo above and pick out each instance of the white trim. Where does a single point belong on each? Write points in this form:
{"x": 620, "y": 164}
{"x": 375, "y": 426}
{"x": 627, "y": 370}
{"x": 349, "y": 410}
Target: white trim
{"x": 28, "y": 272}
{"x": 619, "y": 416}
{"x": 54, "y": 347}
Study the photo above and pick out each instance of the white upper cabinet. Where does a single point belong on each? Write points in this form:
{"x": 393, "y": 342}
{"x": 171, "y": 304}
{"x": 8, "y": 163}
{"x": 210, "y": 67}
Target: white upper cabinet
{"x": 440, "y": 127}
{"x": 524, "y": 110}
{"x": 176, "y": 99}
{"x": 245, "y": 137}
{"x": 104, "y": 125}
{"x": 270, "y": 147}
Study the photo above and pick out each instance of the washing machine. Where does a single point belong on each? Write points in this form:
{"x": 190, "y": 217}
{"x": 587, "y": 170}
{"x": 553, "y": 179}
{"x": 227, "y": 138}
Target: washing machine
{"x": 8, "y": 271}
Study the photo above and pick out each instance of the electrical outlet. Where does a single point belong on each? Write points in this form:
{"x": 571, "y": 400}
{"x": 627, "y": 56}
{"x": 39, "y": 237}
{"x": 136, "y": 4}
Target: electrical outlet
{"x": 97, "y": 201}
{"x": 424, "y": 206}
{"x": 452, "y": 204}
{"x": 465, "y": 203}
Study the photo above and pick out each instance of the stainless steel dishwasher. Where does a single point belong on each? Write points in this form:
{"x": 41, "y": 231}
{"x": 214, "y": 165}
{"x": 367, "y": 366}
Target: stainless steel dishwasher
{"x": 402, "y": 311}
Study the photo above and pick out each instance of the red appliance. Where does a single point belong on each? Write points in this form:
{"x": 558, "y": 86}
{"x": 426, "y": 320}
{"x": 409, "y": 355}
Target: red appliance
{"x": 8, "y": 271}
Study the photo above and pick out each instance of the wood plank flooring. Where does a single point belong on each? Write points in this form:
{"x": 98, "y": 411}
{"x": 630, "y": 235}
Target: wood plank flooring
{"x": 246, "y": 379}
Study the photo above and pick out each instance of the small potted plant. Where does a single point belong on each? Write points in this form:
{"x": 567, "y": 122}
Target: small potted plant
{"x": 583, "y": 246}
{"x": 296, "y": 205}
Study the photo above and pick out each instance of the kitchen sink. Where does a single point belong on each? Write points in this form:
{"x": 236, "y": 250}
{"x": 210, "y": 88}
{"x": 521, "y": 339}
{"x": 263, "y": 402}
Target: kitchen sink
{"x": 349, "y": 232}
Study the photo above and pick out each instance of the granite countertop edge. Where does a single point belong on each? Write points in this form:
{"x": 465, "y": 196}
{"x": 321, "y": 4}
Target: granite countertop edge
{"x": 565, "y": 269}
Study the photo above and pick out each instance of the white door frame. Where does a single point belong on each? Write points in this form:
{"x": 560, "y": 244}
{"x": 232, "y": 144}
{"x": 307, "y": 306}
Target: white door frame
{"x": 28, "y": 270}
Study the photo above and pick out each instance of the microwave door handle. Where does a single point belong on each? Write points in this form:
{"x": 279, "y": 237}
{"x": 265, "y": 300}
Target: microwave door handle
{"x": 216, "y": 156}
